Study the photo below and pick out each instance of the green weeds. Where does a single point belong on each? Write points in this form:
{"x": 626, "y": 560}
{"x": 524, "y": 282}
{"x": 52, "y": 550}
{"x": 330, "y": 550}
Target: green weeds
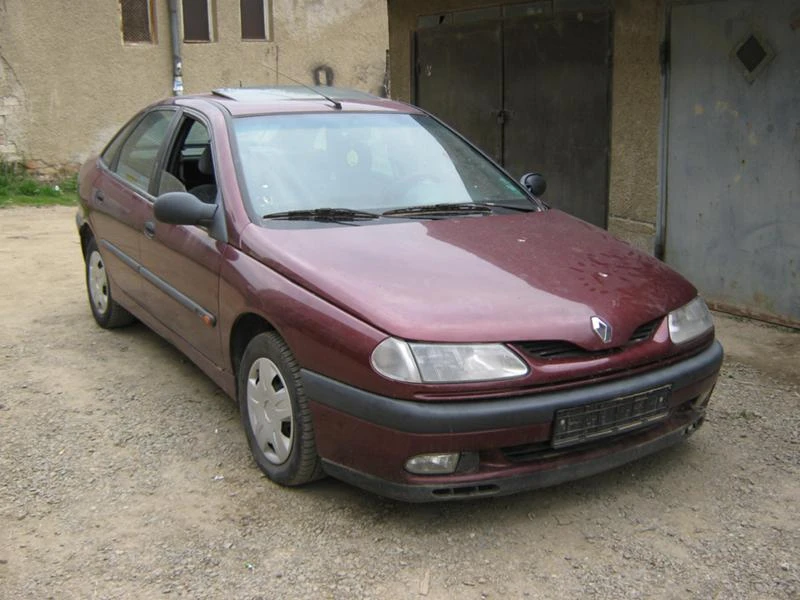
{"x": 18, "y": 188}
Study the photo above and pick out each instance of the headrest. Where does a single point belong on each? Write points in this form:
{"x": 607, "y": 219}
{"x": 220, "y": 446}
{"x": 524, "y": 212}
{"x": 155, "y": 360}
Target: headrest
{"x": 205, "y": 163}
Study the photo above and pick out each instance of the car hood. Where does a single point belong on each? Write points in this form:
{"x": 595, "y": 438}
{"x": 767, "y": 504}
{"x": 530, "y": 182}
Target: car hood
{"x": 530, "y": 276}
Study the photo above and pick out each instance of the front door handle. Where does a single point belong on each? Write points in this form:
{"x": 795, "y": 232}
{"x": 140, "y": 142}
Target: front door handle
{"x": 98, "y": 196}
{"x": 149, "y": 230}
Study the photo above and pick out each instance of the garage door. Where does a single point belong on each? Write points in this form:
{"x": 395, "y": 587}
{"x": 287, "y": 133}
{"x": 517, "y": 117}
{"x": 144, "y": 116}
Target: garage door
{"x": 733, "y": 174}
{"x": 532, "y": 91}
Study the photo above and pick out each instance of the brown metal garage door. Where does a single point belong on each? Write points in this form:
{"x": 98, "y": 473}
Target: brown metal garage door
{"x": 531, "y": 91}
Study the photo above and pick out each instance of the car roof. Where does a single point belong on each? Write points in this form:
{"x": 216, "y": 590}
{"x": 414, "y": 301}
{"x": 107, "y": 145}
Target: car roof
{"x": 294, "y": 99}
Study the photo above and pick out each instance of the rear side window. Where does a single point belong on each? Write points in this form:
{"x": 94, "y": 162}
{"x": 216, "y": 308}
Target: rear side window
{"x": 110, "y": 153}
{"x": 139, "y": 152}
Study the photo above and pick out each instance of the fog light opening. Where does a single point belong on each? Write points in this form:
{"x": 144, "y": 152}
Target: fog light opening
{"x": 443, "y": 463}
{"x": 702, "y": 400}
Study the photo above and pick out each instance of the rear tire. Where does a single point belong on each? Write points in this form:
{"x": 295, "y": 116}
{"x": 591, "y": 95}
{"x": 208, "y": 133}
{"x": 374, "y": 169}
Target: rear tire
{"x": 106, "y": 311}
{"x": 275, "y": 413}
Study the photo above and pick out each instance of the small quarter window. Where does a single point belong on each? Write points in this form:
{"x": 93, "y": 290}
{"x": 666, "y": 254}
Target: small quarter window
{"x": 255, "y": 15}
{"x": 139, "y": 153}
{"x": 198, "y": 20}
{"x": 138, "y": 19}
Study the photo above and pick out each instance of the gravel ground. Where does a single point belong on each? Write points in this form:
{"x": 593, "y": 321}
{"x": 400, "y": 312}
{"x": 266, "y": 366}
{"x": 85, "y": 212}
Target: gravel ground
{"x": 124, "y": 473}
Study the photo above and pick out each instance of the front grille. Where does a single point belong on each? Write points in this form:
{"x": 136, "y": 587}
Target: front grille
{"x": 544, "y": 451}
{"x": 644, "y": 332}
{"x": 560, "y": 349}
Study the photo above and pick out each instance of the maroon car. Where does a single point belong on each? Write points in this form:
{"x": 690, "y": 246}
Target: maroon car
{"x": 386, "y": 304}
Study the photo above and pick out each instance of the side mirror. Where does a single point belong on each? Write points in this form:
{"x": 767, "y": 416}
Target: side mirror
{"x": 183, "y": 208}
{"x": 535, "y": 183}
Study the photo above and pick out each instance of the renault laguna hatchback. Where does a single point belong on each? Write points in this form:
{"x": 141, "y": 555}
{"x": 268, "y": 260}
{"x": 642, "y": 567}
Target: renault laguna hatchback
{"x": 386, "y": 304}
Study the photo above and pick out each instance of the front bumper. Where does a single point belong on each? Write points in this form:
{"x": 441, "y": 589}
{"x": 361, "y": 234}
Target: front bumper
{"x": 365, "y": 439}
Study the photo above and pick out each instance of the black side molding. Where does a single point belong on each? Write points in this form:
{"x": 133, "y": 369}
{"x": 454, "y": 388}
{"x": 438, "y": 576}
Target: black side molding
{"x": 170, "y": 291}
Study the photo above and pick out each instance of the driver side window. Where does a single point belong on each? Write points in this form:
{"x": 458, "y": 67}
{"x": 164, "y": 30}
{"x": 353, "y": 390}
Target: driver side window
{"x": 190, "y": 164}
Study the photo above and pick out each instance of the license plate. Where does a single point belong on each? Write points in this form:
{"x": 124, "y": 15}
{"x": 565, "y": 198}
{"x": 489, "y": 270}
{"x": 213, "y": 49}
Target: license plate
{"x": 610, "y": 417}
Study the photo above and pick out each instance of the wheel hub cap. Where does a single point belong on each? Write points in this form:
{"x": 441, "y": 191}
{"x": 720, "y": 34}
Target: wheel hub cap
{"x": 269, "y": 409}
{"x": 98, "y": 282}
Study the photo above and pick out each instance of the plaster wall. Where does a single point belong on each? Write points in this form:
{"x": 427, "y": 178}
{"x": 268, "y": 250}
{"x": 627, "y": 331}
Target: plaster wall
{"x": 349, "y": 37}
{"x": 636, "y": 112}
{"x": 68, "y": 82}
{"x": 635, "y": 108}
{"x": 78, "y": 81}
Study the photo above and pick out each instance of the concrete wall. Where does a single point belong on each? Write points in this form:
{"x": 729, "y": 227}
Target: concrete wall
{"x": 68, "y": 82}
{"x": 78, "y": 81}
{"x": 635, "y": 111}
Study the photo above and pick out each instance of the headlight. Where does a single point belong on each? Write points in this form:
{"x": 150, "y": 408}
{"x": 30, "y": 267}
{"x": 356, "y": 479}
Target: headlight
{"x": 690, "y": 321}
{"x": 445, "y": 363}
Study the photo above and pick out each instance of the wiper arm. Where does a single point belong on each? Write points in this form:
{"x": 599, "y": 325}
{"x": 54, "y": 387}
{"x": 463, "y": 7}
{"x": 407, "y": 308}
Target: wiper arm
{"x": 322, "y": 214}
{"x": 440, "y": 209}
{"x": 519, "y": 207}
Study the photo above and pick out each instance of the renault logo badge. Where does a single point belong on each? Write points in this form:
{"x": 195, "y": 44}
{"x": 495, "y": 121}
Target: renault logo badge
{"x": 602, "y": 329}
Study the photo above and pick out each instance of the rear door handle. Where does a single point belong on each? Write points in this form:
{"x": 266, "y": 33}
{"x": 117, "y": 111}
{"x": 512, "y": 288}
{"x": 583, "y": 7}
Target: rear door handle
{"x": 98, "y": 196}
{"x": 149, "y": 230}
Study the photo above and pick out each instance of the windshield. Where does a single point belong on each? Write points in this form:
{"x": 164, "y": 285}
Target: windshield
{"x": 362, "y": 161}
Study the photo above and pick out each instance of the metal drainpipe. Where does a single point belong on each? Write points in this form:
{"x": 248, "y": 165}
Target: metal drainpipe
{"x": 177, "y": 62}
{"x": 661, "y": 215}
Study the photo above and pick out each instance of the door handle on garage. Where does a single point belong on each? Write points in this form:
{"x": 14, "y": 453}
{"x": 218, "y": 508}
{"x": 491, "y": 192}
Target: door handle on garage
{"x": 149, "y": 230}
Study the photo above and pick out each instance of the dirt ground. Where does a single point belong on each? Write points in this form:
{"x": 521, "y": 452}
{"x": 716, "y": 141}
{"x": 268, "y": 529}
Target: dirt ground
{"x": 124, "y": 473}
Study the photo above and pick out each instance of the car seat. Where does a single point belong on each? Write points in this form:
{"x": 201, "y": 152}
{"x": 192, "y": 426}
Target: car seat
{"x": 207, "y": 192}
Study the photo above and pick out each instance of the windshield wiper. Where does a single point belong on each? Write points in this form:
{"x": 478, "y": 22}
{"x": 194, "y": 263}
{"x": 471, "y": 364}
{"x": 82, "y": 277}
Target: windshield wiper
{"x": 322, "y": 214}
{"x": 440, "y": 209}
{"x": 519, "y": 207}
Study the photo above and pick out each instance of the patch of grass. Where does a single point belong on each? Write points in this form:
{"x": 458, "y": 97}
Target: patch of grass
{"x": 70, "y": 185}
{"x": 50, "y": 192}
{"x": 28, "y": 187}
{"x": 17, "y": 188}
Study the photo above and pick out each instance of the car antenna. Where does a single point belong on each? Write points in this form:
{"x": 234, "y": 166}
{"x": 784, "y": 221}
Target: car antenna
{"x": 337, "y": 105}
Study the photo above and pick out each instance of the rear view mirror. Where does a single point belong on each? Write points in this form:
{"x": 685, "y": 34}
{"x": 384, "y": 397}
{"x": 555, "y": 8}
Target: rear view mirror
{"x": 183, "y": 208}
{"x": 535, "y": 183}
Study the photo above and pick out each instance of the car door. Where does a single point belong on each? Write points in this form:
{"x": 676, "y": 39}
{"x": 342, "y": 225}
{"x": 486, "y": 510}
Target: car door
{"x": 182, "y": 262}
{"x": 118, "y": 206}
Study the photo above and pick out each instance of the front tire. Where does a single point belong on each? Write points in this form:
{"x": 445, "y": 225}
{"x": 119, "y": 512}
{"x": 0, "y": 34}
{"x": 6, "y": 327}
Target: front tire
{"x": 106, "y": 311}
{"x": 275, "y": 412}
